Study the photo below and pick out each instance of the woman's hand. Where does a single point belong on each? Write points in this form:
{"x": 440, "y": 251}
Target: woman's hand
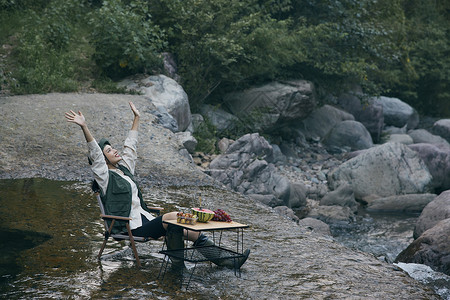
{"x": 76, "y": 118}
{"x": 134, "y": 109}
{"x": 79, "y": 119}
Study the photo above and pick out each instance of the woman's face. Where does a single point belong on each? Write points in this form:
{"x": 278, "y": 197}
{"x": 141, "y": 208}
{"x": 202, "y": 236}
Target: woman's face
{"x": 112, "y": 154}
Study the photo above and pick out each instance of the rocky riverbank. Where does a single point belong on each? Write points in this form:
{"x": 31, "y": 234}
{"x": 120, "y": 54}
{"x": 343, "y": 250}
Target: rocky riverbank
{"x": 37, "y": 142}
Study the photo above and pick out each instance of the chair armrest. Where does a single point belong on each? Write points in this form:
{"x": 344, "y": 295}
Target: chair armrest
{"x": 114, "y": 217}
{"x": 156, "y": 210}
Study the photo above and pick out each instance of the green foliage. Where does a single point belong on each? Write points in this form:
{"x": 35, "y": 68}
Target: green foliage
{"x": 222, "y": 43}
{"x": 44, "y": 62}
{"x": 125, "y": 39}
{"x": 206, "y": 136}
{"x": 395, "y": 47}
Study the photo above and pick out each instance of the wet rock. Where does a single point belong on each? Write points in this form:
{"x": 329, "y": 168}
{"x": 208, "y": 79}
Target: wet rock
{"x": 332, "y": 214}
{"x": 411, "y": 203}
{"x": 348, "y": 136}
{"x": 423, "y": 136}
{"x": 437, "y": 159}
{"x": 342, "y": 196}
{"x": 163, "y": 91}
{"x": 397, "y": 113}
{"x": 437, "y": 210}
{"x": 320, "y": 122}
{"x": 442, "y": 129}
{"x": 432, "y": 248}
{"x": 386, "y": 170}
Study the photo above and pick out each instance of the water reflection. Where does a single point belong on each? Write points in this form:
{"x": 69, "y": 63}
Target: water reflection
{"x": 286, "y": 261}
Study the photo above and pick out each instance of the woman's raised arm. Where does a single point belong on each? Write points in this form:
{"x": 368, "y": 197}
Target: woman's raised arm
{"x": 136, "y": 116}
{"x": 79, "y": 119}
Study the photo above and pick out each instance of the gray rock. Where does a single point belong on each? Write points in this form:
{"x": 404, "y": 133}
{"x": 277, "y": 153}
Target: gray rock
{"x": 274, "y": 103}
{"x": 187, "y": 140}
{"x": 423, "y": 136}
{"x": 435, "y": 211}
{"x": 297, "y": 195}
{"x": 432, "y": 248}
{"x": 269, "y": 200}
{"x": 221, "y": 119}
{"x": 395, "y": 130}
{"x": 400, "y": 138}
{"x": 197, "y": 121}
{"x": 386, "y": 170}
{"x": 286, "y": 212}
{"x": 315, "y": 226}
{"x": 165, "y": 119}
{"x": 170, "y": 66}
{"x": 411, "y": 203}
{"x": 437, "y": 159}
{"x": 251, "y": 144}
{"x": 223, "y": 144}
{"x": 442, "y": 128}
{"x": 366, "y": 111}
{"x": 163, "y": 91}
{"x": 277, "y": 155}
{"x": 342, "y": 196}
{"x": 348, "y": 134}
{"x": 332, "y": 214}
{"x": 397, "y": 113}
{"x": 321, "y": 121}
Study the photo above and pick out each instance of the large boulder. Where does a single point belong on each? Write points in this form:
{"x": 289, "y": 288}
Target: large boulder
{"x": 366, "y": 111}
{"x": 273, "y": 103}
{"x": 342, "y": 196}
{"x": 410, "y": 203}
{"x": 244, "y": 168}
{"x": 315, "y": 225}
{"x": 420, "y": 136}
{"x": 432, "y": 248}
{"x": 221, "y": 119}
{"x": 398, "y": 113}
{"x": 163, "y": 91}
{"x": 386, "y": 170}
{"x": 437, "y": 159}
{"x": 320, "y": 122}
{"x": 437, "y": 210}
{"x": 442, "y": 128}
{"x": 348, "y": 136}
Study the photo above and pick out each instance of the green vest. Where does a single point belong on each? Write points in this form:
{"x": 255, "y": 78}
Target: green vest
{"x": 117, "y": 200}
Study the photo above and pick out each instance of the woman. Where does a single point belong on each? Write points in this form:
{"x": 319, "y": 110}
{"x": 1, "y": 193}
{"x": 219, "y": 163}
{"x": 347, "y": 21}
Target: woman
{"x": 114, "y": 174}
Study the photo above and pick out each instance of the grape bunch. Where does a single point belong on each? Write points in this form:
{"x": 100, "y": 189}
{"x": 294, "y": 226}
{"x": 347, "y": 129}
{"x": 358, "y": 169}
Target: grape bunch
{"x": 221, "y": 215}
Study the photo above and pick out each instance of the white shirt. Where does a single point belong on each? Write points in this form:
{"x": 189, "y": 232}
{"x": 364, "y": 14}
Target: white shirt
{"x": 101, "y": 174}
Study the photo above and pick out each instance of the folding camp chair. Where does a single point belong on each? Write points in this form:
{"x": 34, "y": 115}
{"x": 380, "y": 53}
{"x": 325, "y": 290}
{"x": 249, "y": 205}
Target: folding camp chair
{"x": 119, "y": 237}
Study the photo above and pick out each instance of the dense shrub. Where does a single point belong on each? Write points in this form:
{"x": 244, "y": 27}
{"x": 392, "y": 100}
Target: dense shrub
{"x": 125, "y": 39}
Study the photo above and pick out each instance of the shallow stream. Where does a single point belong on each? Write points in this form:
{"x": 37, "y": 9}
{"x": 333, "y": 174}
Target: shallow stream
{"x": 51, "y": 233}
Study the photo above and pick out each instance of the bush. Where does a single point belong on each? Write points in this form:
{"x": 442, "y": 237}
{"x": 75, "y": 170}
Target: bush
{"x": 125, "y": 39}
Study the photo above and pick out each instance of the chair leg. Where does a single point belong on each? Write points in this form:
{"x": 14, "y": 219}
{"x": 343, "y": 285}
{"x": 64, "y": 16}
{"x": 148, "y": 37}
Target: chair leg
{"x": 107, "y": 234}
{"x": 102, "y": 248}
{"x": 133, "y": 246}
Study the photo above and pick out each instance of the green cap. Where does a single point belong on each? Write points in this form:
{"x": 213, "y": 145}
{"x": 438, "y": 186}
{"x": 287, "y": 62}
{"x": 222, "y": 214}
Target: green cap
{"x": 103, "y": 142}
